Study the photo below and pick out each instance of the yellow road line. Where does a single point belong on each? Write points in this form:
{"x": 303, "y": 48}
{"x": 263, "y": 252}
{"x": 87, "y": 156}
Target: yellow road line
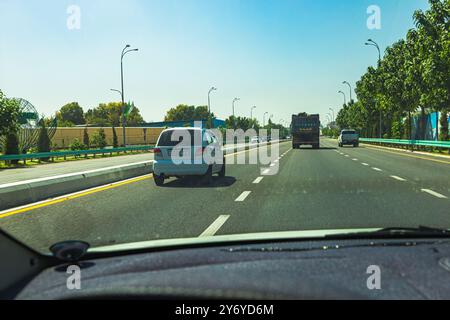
{"x": 73, "y": 196}
{"x": 406, "y": 155}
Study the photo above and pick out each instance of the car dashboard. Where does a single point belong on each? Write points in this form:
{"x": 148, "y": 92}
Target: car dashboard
{"x": 332, "y": 269}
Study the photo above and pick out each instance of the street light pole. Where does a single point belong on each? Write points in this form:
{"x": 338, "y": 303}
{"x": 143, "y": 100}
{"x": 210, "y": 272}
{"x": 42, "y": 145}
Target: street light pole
{"x": 234, "y": 119}
{"x": 251, "y": 112}
{"x": 370, "y": 42}
{"x": 209, "y": 106}
{"x": 251, "y": 116}
{"x": 332, "y": 110}
{"x": 124, "y": 52}
{"x": 264, "y": 119}
{"x": 345, "y": 98}
{"x": 350, "y": 87}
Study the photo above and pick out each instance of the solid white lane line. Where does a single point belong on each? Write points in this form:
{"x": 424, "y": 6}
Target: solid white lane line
{"x": 215, "y": 226}
{"x": 243, "y": 196}
{"x": 434, "y": 193}
{"x": 377, "y": 169}
{"x": 365, "y": 164}
{"x": 398, "y": 178}
{"x": 258, "y": 180}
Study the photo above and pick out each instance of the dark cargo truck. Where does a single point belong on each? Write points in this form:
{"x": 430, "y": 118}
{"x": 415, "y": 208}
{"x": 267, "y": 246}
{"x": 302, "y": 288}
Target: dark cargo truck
{"x": 305, "y": 130}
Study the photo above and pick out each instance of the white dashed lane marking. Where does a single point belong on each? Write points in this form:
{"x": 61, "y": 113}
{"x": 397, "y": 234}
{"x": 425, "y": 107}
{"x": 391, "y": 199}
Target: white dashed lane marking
{"x": 243, "y": 196}
{"x": 398, "y": 178}
{"x": 434, "y": 193}
{"x": 215, "y": 226}
{"x": 258, "y": 180}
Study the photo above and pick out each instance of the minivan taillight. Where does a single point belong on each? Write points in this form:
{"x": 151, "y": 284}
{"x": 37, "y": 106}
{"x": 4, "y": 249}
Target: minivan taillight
{"x": 157, "y": 151}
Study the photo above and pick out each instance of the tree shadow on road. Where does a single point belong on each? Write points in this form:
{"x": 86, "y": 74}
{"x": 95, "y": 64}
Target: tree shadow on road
{"x": 199, "y": 182}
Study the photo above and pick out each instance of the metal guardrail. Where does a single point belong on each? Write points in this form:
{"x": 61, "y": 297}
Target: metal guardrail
{"x": 65, "y": 154}
{"x": 412, "y": 143}
{"x": 74, "y": 153}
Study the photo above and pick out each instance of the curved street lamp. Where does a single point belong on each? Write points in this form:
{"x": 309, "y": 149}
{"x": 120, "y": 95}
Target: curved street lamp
{"x": 251, "y": 112}
{"x": 124, "y": 52}
{"x": 234, "y": 119}
{"x": 264, "y": 119}
{"x": 345, "y": 98}
{"x": 350, "y": 87}
{"x": 209, "y": 105}
{"x": 370, "y": 42}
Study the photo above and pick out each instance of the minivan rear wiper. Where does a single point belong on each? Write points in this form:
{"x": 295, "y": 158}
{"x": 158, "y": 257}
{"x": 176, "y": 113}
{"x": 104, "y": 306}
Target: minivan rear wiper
{"x": 396, "y": 232}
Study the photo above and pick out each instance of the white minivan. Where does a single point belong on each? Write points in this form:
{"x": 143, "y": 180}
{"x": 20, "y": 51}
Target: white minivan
{"x": 182, "y": 152}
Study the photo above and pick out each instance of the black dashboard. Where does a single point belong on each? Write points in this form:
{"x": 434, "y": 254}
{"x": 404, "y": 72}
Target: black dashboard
{"x": 334, "y": 269}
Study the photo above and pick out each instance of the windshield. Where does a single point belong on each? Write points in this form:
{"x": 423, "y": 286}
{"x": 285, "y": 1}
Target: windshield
{"x": 94, "y": 95}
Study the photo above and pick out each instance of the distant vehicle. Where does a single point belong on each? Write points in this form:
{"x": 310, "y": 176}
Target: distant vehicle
{"x": 165, "y": 165}
{"x": 348, "y": 137}
{"x": 305, "y": 130}
{"x": 255, "y": 140}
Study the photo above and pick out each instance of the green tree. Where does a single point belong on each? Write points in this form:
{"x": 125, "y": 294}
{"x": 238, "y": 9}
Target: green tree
{"x": 433, "y": 48}
{"x": 9, "y": 115}
{"x": 71, "y": 113}
{"x": 184, "y": 112}
{"x": 115, "y": 140}
{"x": 110, "y": 114}
{"x": 12, "y": 145}
{"x": 86, "y": 141}
{"x": 99, "y": 139}
{"x": 444, "y": 136}
{"x": 43, "y": 140}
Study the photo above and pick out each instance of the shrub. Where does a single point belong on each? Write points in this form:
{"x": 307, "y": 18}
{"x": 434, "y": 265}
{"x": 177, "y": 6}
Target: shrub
{"x": 77, "y": 145}
{"x": 99, "y": 139}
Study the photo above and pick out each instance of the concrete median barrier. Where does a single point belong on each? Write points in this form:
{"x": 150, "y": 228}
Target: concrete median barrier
{"x": 25, "y": 192}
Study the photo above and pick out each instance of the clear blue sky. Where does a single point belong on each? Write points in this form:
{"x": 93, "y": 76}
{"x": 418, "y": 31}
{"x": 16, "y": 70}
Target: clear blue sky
{"x": 282, "y": 56}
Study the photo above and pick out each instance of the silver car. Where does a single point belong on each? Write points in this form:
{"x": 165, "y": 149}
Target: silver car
{"x": 182, "y": 152}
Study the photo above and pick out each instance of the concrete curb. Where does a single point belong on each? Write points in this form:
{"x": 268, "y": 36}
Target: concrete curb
{"x": 18, "y": 194}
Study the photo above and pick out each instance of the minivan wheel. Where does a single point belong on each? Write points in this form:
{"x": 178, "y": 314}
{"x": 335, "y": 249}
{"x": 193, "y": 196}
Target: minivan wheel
{"x": 222, "y": 170}
{"x": 159, "y": 180}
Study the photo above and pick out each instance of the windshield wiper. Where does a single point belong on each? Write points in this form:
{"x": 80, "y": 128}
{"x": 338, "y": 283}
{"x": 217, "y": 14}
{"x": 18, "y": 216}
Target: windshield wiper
{"x": 396, "y": 232}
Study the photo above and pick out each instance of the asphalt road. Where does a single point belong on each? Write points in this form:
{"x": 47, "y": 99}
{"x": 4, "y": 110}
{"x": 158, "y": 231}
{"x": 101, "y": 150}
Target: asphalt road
{"x": 329, "y": 188}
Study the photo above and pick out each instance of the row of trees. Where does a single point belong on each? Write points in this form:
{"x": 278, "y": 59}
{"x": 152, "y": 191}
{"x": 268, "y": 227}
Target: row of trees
{"x": 104, "y": 115}
{"x": 98, "y": 140}
{"x": 413, "y": 78}
{"x": 185, "y": 112}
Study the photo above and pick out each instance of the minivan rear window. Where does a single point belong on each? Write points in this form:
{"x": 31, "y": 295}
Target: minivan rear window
{"x": 349, "y": 132}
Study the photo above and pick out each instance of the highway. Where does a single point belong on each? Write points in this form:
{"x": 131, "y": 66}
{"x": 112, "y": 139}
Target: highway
{"x": 329, "y": 188}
